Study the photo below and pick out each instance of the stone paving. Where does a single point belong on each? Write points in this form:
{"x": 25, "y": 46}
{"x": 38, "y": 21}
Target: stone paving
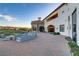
{"x": 44, "y": 45}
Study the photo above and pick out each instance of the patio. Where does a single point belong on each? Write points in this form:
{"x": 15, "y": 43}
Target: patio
{"x": 44, "y": 45}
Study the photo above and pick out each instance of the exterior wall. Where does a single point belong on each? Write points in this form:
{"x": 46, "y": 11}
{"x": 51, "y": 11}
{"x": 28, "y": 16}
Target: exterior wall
{"x": 34, "y": 26}
{"x": 63, "y": 19}
{"x": 78, "y": 25}
{"x": 72, "y": 7}
{"x": 37, "y": 25}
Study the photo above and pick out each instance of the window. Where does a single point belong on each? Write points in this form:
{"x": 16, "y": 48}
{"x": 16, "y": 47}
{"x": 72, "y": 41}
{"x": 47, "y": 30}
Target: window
{"x": 69, "y": 27}
{"x": 74, "y": 27}
{"x": 68, "y": 18}
{"x": 62, "y": 12}
{"x": 61, "y": 28}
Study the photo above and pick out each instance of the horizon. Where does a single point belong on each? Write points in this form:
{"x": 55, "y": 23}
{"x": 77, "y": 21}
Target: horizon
{"x": 21, "y": 14}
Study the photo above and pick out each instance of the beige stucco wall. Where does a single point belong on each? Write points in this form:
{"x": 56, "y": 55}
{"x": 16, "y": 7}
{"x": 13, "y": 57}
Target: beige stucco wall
{"x": 63, "y": 19}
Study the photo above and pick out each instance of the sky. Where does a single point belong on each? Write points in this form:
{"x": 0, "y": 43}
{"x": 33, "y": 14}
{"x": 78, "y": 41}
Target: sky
{"x": 21, "y": 14}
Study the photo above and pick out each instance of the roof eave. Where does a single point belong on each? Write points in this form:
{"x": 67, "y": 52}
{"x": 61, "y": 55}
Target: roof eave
{"x": 55, "y": 10}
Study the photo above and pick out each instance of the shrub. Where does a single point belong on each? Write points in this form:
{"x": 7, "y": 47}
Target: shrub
{"x": 72, "y": 44}
{"x": 56, "y": 33}
{"x": 74, "y": 48}
{"x": 76, "y": 52}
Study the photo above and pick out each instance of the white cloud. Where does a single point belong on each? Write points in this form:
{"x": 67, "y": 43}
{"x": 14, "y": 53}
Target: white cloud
{"x": 1, "y": 15}
{"x": 7, "y": 17}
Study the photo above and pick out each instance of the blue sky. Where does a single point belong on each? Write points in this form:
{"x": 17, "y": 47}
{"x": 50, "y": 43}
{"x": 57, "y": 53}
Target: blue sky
{"x": 21, "y": 14}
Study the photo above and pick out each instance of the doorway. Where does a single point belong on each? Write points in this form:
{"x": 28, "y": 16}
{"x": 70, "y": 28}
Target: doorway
{"x": 41, "y": 28}
{"x": 74, "y": 31}
{"x": 51, "y": 28}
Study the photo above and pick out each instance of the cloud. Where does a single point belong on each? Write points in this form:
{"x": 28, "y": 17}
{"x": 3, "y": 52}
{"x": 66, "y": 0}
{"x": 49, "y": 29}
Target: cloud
{"x": 8, "y": 17}
{"x": 1, "y": 15}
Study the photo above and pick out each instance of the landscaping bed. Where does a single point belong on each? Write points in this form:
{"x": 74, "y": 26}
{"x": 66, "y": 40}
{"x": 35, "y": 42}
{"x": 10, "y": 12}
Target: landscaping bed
{"x": 55, "y": 33}
{"x": 74, "y": 47}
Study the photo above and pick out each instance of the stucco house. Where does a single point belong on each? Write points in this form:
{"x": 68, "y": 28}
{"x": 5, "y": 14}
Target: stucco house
{"x": 37, "y": 25}
{"x": 64, "y": 19}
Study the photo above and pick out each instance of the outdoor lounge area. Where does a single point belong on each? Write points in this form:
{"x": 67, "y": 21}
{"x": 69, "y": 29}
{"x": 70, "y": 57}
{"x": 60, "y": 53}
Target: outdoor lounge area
{"x": 19, "y": 37}
{"x": 26, "y": 36}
